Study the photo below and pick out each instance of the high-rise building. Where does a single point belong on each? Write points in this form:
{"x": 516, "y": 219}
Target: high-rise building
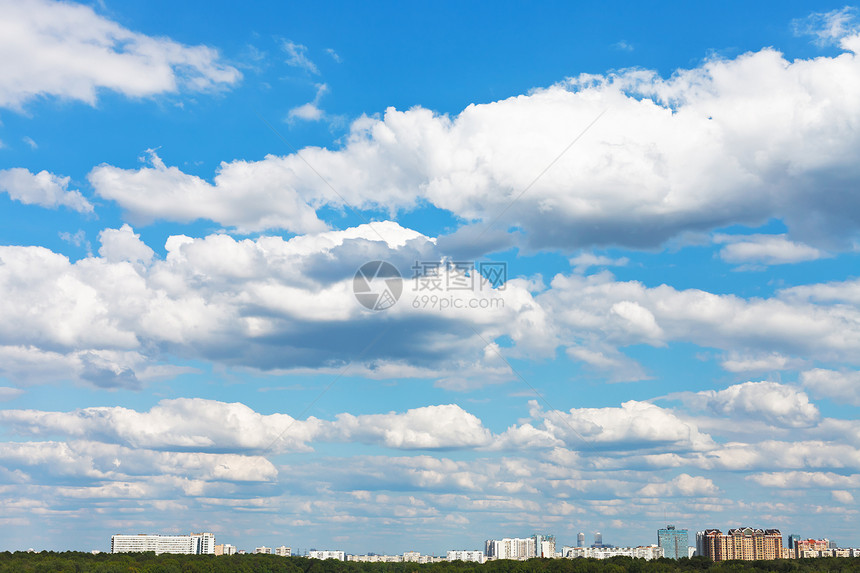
{"x": 544, "y": 546}
{"x": 510, "y": 548}
{"x": 194, "y": 544}
{"x": 743, "y": 543}
{"x": 580, "y": 539}
{"x": 792, "y": 540}
{"x": 283, "y": 551}
{"x": 673, "y": 541}
{"x": 262, "y": 550}
{"x": 598, "y": 540}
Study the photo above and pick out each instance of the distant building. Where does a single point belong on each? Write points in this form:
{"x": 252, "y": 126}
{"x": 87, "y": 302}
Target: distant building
{"x": 465, "y": 555}
{"x": 642, "y": 552}
{"x": 673, "y": 541}
{"x": 194, "y": 544}
{"x": 580, "y": 539}
{"x": 411, "y": 557}
{"x": 225, "y": 549}
{"x": 263, "y": 550}
{"x": 744, "y": 543}
{"x": 510, "y": 548}
{"x": 598, "y": 540}
{"x": 327, "y": 554}
{"x": 544, "y": 546}
{"x": 374, "y": 558}
{"x": 806, "y": 548}
{"x": 792, "y": 541}
{"x": 283, "y": 551}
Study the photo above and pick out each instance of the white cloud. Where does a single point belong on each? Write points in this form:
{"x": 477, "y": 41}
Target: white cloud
{"x": 633, "y": 426}
{"x": 842, "y": 496}
{"x": 208, "y": 425}
{"x": 742, "y": 362}
{"x": 684, "y": 485}
{"x": 7, "y": 394}
{"x": 431, "y": 427}
{"x": 239, "y": 198}
{"x": 774, "y": 403}
{"x": 67, "y": 50}
{"x": 736, "y": 141}
{"x": 828, "y": 27}
{"x": 839, "y": 386}
{"x": 765, "y": 250}
{"x": 124, "y": 245}
{"x": 584, "y": 261}
{"x": 297, "y": 57}
{"x": 793, "y": 480}
{"x": 311, "y": 110}
{"x": 595, "y": 312}
{"x": 43, "y": 188}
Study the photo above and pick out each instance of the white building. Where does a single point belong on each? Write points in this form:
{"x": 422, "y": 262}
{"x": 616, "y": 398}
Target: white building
{"x": 642, "y": 552}
{"x": 194, "y": 544}
{"x": 326, "y": 554}
{"x": 375, "y": 558}
{"x": 283, "y": 551}
{"x": 465, "y": 555}
{"x": 262, "y": 550}
{"x": 510, "y": 548}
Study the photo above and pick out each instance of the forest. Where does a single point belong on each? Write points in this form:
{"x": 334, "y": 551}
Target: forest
{"x": 74, "y": 562}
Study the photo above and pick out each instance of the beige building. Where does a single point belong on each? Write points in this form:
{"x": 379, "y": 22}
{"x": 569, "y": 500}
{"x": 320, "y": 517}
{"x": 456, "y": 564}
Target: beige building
{"x": 744, "y": 543}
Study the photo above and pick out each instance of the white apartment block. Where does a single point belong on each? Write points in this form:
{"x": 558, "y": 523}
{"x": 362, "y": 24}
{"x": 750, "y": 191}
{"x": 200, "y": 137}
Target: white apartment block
{"x": 225, "y": 549}
{"x": 465, "y": 555}
{"x": 327, "y": 554}
{"x": 283, "y": 551}
{"x": 510, "y": 548}
{"x": 375, "y": 558}
{"x": 262, "y": 550}
{"x": 642, "y": 552}
{"x": 194, "y": 544}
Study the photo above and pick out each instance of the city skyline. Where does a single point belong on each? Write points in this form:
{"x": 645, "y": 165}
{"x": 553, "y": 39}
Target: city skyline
{"x": 383, "y": 276}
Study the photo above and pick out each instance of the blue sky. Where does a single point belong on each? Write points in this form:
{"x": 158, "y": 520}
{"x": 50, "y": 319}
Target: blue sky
{"x": 187, "y": 192}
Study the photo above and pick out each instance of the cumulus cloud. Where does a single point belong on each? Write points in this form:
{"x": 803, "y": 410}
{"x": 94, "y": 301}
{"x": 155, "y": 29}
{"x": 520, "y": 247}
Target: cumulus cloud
{"x": 765, "y": 250}
{"x": 684, "y": 485}
{"x": 197, "y": 424}
{"x": 268, "y": 303}
{"x": 633, "y": 426}
{"x": 735, "y": 141}
{"x": 43, "y": 188}
{"x": 124, "y": 245}
{"x": 239, "y": 197}
{"x": 66, "y": 50}
{"x": 431, "y": 427}
{"x": 837, "y": 385}
{"x": 595, "y": 312}
{"x": 774, "y": 403}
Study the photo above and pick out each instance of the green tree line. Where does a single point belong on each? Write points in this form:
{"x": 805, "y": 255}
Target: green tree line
{"x": 74, "y": 562}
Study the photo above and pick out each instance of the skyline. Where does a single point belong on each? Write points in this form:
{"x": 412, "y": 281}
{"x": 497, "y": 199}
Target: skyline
{"x": 645, "y": 221}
